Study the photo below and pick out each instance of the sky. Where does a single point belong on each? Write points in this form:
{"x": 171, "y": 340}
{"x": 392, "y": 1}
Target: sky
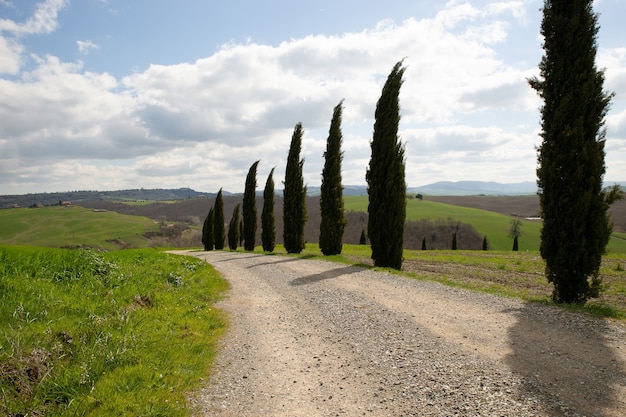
{"x": 124, "y": 94}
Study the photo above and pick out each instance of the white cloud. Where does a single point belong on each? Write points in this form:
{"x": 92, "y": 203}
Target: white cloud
{"x": 84, "y": 47}
{"x": 465, "y": 112}
{"x": 44, "y": 20}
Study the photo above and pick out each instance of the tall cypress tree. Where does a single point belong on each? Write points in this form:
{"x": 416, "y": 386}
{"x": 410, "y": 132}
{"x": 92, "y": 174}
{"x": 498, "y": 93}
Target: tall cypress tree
{"x": 294, "y": 196}
{"x": 333, "y": 221}
{"x": 576, "y": 225}
{"x": 207, "y": 231}
{"x": 385, "y": 177}
{"x": 249, "y": 209}
{"x": 233, "y": 229}
{"x": 268, "y": 227}
{"x": 218, "y": 221}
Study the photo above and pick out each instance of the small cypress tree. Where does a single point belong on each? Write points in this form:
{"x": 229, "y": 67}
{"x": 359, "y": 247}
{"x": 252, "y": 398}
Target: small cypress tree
{"x": 576, "y": 224}
{"x": 424, "y": 243}
{"x": 249, "y": 209}
{"x": 218, "y": 222}
{"x": 207, "y": 231}
{"x": 453, "y": 241}
{"x": 333, "y": 221}
{"x": 386, "y": 177}
{"x": 268, "y": 227}
{"x": 294, "y": 196}
{"x": 233, "y": 229}
{"x": 363, "y": 239}
{"x": 515, "y": 244}
{"x": 485, "y": 243}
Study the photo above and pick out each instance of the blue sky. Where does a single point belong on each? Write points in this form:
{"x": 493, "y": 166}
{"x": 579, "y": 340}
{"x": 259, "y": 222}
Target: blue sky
{"x": 113, "y": 94}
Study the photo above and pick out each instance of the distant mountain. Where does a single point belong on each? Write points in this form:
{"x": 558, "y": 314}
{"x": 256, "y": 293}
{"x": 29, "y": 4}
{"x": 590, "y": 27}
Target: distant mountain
{"x": 459, "y": 188}
{"x": 138, "y": 195}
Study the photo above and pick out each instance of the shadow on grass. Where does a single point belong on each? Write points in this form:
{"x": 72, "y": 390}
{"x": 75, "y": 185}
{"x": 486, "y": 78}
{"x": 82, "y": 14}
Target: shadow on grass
{"x": 333, "y": 273}
{"x": 565, "y": 359}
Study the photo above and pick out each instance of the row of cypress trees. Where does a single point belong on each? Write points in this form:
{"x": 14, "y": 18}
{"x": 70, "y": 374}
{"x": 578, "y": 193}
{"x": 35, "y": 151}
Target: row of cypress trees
{"x": 386, "y": 189}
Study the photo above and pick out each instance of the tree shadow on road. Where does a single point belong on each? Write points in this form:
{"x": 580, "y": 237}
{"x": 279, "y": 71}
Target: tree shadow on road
{"x": 564, "y": 359}
{"x": 333, "y": 273}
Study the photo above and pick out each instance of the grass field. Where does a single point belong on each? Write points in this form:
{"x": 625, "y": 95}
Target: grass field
{"x": 73, "y": 226}
{"x": 493, "y": 225}
{"x": 87, "y": 333}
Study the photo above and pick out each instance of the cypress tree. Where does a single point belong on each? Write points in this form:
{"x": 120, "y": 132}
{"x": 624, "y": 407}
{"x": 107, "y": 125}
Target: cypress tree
{"x": 485, "y": 243}
{"x": 515, "y": 244}
{"x": 233, "y": 229}
{"x": 294, "y": 196}
{"x": 207, "y": 231}
{"x": 363, "y": 238}
{"x": 424, "y": 243}
{"x": 249, "y": 209}
{"x": 268, "y": 227}
{"x": 333, "y": 221}
{"x": 385, "y": 177}
{"x": 454, "y": 241}
{"x": 218, "y": 222}
{"x": 576, "y": 225}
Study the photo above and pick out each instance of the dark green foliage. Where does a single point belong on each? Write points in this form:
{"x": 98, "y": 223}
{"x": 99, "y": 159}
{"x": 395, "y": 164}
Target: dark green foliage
{"x": 576, "y": 225}
{"x": 218, "y": 222}
{"x": 207, "y": 231}
{"x": 249, "y": 209}
{"x": 424, "y": 243}
{"x": 485, "y": 243}
{"x": 363, "y": 238}
{"x": 453, "y": 241}
{"x": 385, "y": 177}
{"x": 233, "y": 229}
{"x": 333, "y": 220}
{"x": 294, "y": 202}
{"x": 515, "y": 244}
{"x": 241, "y": 233}
{"x": 268, "y": 227}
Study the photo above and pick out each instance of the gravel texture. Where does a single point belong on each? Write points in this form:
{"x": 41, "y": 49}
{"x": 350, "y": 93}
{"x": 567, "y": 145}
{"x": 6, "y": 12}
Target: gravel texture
{"x": 312, "y": 338}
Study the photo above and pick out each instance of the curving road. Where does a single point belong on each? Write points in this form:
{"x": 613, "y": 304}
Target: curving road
{"x": 312, "y": 338}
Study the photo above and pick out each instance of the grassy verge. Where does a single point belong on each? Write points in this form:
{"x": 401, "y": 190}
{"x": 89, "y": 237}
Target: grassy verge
{"x": 102, "y": 334}
{"x": 505, "y": 273}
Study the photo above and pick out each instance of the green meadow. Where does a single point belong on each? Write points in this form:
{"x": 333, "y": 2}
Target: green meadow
{"x": 493, "y": 225}
{"x": 73, "y": 226}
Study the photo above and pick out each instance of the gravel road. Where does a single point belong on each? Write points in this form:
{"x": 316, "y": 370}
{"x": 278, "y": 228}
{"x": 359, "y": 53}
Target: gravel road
{"x": 312, "y": 338}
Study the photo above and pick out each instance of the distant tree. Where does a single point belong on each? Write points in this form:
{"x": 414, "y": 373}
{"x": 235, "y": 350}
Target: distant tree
{"x": 485, "y": 243}
{"x": 241, "y": 233}
{"x": 268, "y": 227}
{"x": 333, "y": 221}
{"x": 249, "y": 209}
{"x": 363, "y": 238}
{"x": 294, "y": 196}
{"x": 515, "y": 231}
{"x": 424, "y": 243}
{"x": 218, "y": 222}
{"x": 386, "y": 177}
{"x": 233, "y": 229}
{"x": 207, "y": 231}
{"x": 454, "y": 241}
{"x": 576, "y": 224}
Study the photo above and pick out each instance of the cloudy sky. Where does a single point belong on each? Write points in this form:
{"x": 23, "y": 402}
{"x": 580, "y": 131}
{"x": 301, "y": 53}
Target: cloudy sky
{"x": 116, "y": 94}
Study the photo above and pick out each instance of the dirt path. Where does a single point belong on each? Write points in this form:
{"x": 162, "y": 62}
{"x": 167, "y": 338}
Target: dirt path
{"x": 312, "y": 338}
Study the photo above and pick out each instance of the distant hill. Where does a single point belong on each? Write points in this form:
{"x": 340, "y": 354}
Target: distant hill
{"x": 461, "y": 188}
{"x": 137, "y": 195}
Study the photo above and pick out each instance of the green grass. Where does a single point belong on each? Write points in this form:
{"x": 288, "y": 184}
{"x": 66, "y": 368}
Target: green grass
{"x": 73, "y": 226}
{"x": 493, "y": 225}
{"x": 101, "y": 334}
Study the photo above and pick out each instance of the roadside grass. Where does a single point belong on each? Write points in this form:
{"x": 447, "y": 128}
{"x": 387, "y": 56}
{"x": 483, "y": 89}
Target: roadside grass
{"x": 73, "y": 226}
{"x": 503, "y": 273}
{"x": 90, "y": 333}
